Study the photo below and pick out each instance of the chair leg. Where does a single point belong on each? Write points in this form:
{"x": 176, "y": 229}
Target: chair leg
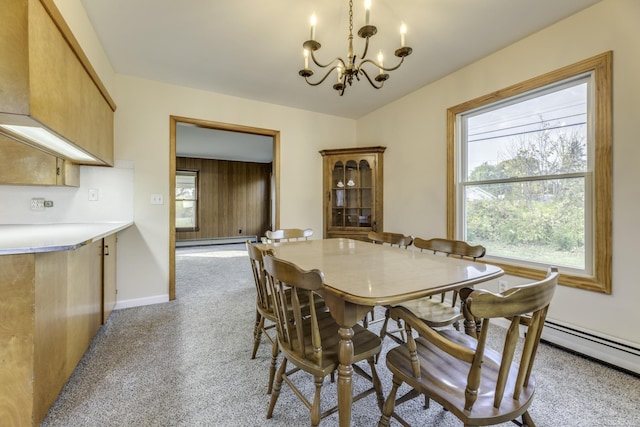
{"x": 257, "y": 333}
{"x": 383, "y": 330}
{"x": 377, "y": 385}
{"x": 276, "y": 388}
{"x": 365, "y": 320}
{"x": 272, "y": 369}
{"x": 389, "y": 404}
{"x": 527, "y": 420}
{"x": 315, "y": 407}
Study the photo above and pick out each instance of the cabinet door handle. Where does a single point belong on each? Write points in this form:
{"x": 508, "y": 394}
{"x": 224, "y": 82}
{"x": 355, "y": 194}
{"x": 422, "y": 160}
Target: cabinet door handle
{"x": 106, "y": 249}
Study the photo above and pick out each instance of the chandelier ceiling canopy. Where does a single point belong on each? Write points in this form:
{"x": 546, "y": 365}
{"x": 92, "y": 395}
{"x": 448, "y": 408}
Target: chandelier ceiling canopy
{"x": 353, "y": 66}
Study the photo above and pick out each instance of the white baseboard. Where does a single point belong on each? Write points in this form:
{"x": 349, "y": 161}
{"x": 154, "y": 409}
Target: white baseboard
{"x": 139, "y": 302}
{"x": 611, "y": 350}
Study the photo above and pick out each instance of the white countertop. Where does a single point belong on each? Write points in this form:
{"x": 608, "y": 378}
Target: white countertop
{"x": 30, "y": 238}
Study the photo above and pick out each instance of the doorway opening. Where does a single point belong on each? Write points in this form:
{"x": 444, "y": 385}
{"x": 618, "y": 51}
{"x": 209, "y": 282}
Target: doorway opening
{"x": 273, "y": 137}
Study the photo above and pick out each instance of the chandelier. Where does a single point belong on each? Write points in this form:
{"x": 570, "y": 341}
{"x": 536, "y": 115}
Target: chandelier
{"x": 353, "y": 66}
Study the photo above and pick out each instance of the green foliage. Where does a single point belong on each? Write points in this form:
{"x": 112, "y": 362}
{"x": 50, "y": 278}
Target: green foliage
{"x": 545, "y": 213}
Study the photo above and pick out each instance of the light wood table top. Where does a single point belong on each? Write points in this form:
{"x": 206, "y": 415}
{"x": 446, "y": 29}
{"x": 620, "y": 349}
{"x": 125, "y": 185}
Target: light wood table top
{"x": 360, "y": 275}
{"x": 369, "y": 274}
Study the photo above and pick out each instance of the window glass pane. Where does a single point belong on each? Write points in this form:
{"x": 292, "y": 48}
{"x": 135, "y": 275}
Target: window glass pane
{"x": 186, "y": 186}
{"x": 186, "y": 199}
{"x": 541, "y": 135}
{"x": 540, "y": 221}
{"x": 185, "y": 214}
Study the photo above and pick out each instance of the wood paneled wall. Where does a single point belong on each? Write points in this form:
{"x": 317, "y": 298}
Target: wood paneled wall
{"x": 233, "y": 196}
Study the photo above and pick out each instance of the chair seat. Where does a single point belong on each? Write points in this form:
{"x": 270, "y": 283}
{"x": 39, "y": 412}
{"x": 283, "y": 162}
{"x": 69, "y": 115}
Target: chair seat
{"x": 435, "y": 313}
{"x": 437, "y": 381}
{"x": 366, "y": 344}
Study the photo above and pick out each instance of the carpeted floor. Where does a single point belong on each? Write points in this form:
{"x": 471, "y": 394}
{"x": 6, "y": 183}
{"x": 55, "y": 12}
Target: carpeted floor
{"x": 187, "y": 363}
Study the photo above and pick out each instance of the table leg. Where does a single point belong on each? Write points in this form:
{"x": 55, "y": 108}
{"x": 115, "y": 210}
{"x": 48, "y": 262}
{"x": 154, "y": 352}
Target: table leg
{"x": 345, "y": 376}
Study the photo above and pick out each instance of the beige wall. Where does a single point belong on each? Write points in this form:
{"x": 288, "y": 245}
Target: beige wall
{"x": 142, "y": 135}
{"x": 415, "y": 160}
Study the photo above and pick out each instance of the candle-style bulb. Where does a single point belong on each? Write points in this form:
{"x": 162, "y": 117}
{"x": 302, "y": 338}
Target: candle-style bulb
{"x": 313, "y": 26}
{"x": 305, "y": 53}
{"x": 403, "y": 31}
{"x": 367, "y": 11}
{"x": 339, "y": 69}
{"x": 380, "y": 63}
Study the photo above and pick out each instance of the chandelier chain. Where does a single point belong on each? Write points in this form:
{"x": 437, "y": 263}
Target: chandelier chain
{"x": 350, "y": 18}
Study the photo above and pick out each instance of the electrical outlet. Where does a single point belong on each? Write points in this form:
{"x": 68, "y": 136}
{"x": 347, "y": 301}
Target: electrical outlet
{"x": 502, "y": 285}
{"x": 37, "y": 204}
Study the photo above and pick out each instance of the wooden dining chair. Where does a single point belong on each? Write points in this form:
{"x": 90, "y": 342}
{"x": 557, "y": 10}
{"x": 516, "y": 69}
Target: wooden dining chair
{"x": 265, "y": 316}
{"x": 478, "y": 384}
{"x": 311, "y": 342}
{"x": 288, "y": 234}
{"x": 391, "y": 239}
{"x": 443, "y": 309}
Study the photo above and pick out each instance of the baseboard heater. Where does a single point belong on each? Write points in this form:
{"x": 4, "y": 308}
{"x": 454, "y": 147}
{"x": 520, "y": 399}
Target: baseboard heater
{"x": 215, "y": 241}
{"x": 609, "y": 350}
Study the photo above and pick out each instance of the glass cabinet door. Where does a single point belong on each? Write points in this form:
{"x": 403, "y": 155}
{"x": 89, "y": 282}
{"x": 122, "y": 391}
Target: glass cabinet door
{"x": 351, "y": 193}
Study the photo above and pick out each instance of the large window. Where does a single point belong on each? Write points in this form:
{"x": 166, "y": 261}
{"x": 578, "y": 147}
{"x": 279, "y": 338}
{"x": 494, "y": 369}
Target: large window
{"x": 530, "y": 174}
{"x": 186, "y": 200}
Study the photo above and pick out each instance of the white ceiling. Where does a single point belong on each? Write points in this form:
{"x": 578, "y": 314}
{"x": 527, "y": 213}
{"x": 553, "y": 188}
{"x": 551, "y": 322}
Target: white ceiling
{"x": 199, "y": 142}
{"x": 253, "y": 48}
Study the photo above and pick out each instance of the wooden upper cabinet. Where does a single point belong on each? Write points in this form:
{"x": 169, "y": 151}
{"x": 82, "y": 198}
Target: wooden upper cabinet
{"x": 24, "y": 165}
{"x": 46, "y": 79}
{"x": 352, "y": 191}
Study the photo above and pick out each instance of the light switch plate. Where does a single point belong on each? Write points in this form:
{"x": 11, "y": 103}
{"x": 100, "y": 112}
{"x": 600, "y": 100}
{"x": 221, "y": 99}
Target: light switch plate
{"x": 157, "y": 199}
{"x": 93, "y": 194}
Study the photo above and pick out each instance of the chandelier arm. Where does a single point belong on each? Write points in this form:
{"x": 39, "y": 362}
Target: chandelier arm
{"x": 369, "y": 78}
{"x": 366, "y": 48}
{"x": 338, "y": 59}
{"x": 378, "y": 65}
{"x": 323, "y": 78}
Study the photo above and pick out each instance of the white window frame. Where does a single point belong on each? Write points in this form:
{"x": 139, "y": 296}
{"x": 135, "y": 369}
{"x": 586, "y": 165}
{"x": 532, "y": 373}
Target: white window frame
{"x": 597, "y": 273}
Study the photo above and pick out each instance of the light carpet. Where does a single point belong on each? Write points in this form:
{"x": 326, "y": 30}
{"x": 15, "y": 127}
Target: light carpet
{"x": 187, "y": 363}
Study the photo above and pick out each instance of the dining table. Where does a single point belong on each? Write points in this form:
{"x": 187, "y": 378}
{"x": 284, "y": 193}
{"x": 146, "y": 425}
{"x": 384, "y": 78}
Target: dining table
{"x": 359, "y": 276}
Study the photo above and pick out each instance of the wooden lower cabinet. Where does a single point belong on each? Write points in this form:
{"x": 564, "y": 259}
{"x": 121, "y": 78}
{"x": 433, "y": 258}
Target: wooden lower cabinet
{"x": 51, "y": 307}
{"x": 109, "y": 279}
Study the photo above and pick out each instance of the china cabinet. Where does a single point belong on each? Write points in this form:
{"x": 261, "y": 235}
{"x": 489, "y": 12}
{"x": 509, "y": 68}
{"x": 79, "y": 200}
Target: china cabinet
{"x": 352, "y": 191}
